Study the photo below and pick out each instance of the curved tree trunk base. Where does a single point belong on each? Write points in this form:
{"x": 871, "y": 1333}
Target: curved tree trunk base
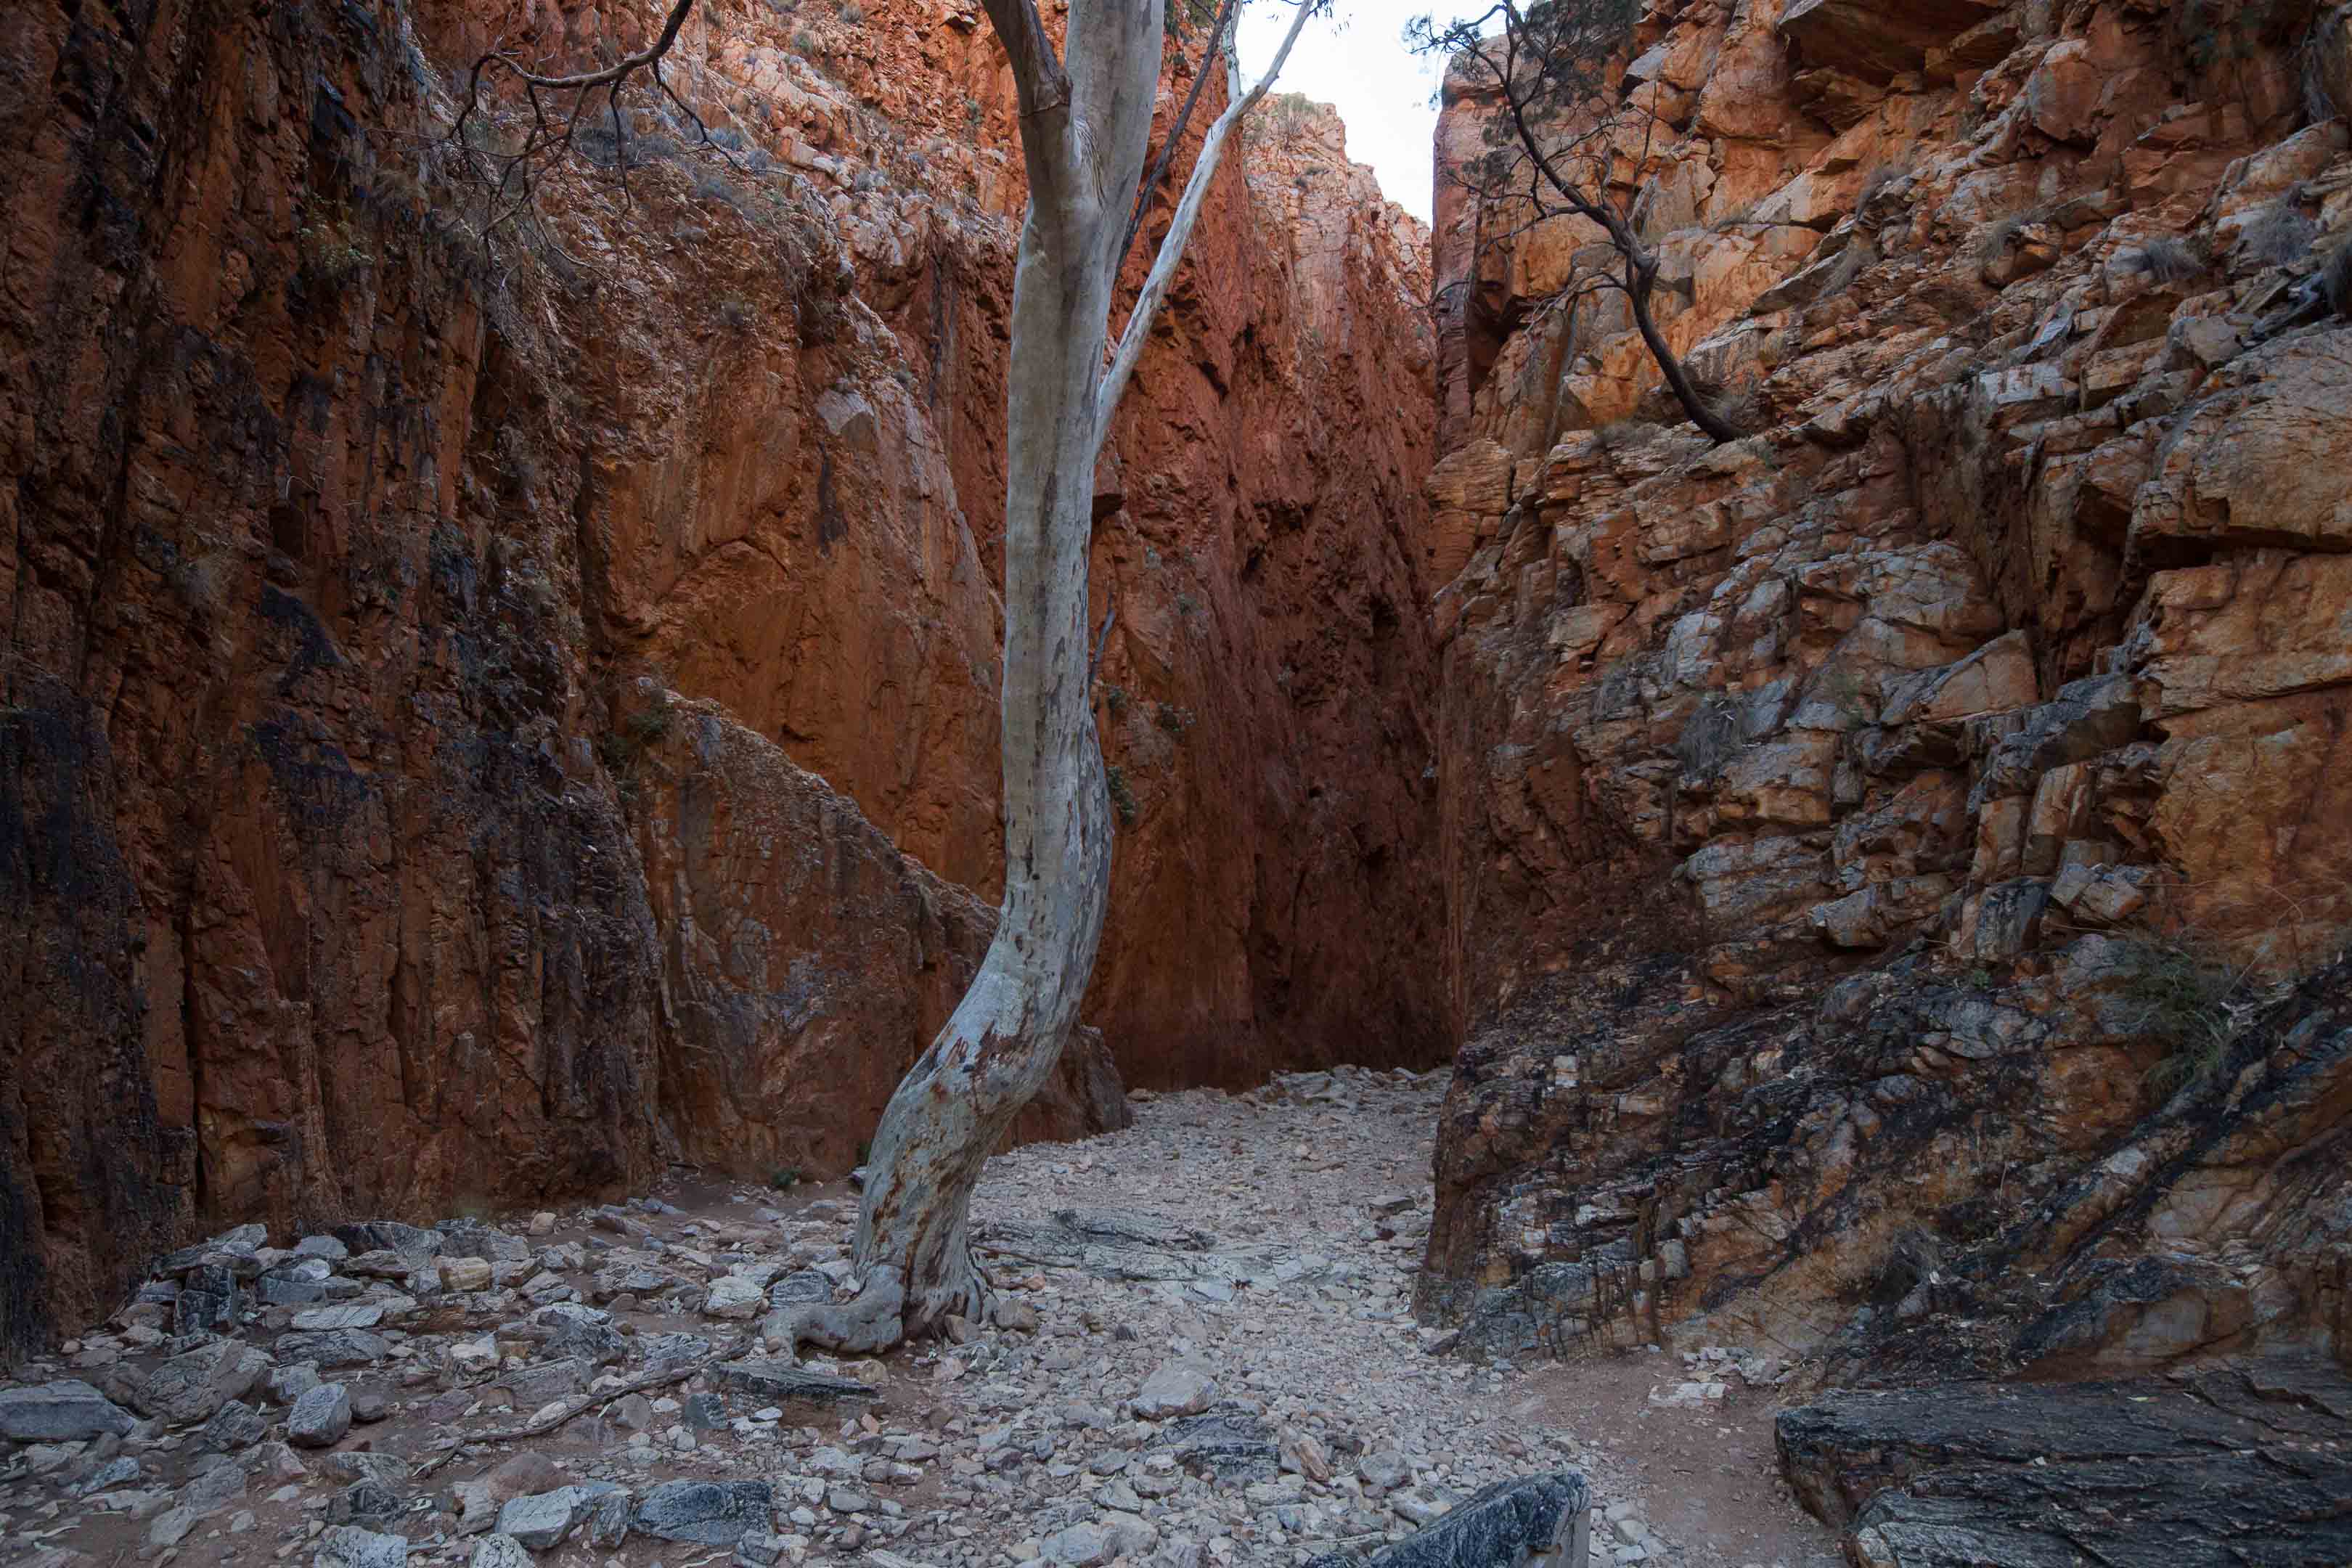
{"x": 867, "y": 1324}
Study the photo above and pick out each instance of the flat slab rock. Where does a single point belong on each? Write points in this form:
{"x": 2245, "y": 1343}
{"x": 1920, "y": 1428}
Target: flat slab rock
{"x": 1534, "y": 1522}
{"x": 2243, "y": 1464}
{"x": 777, "y": 1382}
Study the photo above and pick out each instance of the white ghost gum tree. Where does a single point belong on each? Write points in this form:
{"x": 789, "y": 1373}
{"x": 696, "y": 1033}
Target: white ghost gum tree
{"x": 1086, "y": 119}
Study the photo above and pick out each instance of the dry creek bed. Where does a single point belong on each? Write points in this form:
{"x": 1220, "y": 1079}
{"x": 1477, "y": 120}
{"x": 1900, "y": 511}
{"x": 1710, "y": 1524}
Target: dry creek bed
{"x": 1202, "y": 1357}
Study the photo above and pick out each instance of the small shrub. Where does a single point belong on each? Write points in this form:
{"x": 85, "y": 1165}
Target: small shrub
{"x": 2281, "y": 236}
{"x": 710, "y": 184}
{"x": 787, "y": 1176}
{"x": 2163, "y": 257}
{"x": 1187, "y": 605}
{"x": 804, "y": 42}
{"x": 333, "y": 256}
{"x": 1174, "y": 720}
{"x": 1122, "y": 798}
{"x": 2182, "y": 995}
{"x": 973, "y": 113}
{"x": 2336, "y": 279}
{"x": 1880, "y": 179}
{"x": 1116, "y": 696}
{"x": 736, "y": 316}
{"x": 852, "y": 13}
{"x": 622, "y": 746}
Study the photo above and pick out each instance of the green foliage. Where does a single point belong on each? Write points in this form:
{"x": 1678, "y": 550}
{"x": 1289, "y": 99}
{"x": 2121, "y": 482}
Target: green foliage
{"x": 1117, "y": 699}
{"x": 331, "y": 257}
{"x": 1187, "y": 605}
{"x": 625, "y": 746}
{"x": 852, "y": 13}
{"x": 783, "y": 1177}
{"x": 1174, "y": 720}
{"x": 1121, "y": 797}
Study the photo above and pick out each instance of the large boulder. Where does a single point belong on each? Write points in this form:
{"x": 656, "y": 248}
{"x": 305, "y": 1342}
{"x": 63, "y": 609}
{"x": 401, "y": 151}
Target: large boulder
{"x": 60, "y": 1412}
{"x": 192, "y": 1385}
{"x": 1534, "y": 1522}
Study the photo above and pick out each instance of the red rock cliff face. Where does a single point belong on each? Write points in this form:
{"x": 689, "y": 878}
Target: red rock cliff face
{"x": 1870, "y": 843}
{"x": 485, "y": 722}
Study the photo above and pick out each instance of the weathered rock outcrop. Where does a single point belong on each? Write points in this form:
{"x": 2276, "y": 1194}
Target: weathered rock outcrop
{"x": 1880, "y": 850}
{"x": 467, "y": 711}
{"x": 2242, "y": 1462}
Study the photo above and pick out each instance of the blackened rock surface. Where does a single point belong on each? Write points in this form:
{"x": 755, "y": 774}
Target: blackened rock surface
{"x": 2278, "y": 1506}
{"x": 1537, "y": 1518}
{"x": 780, "y": 1381}
{"x": 1226, "y": 1441}
{"x": 2243, "y": 1463}
{"x": 714, "y": 1513}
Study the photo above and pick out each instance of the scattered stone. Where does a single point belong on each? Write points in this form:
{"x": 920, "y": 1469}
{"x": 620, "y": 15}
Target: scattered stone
{"x": 542, "y": 1520}
{"x": 499, "y": 1551}
{"x": 781, "y": 1381}
{"x": 1175, "y": 1388}
{"x": 335, "y": 1348}
{"x": 235, "y": 1425}
{"x": 320, "y": 1417}
{"x": 348, "y": 1546}
{"x": 190, "y": 1386}
{"x": 346, "y": 1315}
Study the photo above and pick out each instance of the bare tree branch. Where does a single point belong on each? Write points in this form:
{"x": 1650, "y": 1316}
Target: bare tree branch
{"x": 1550, "y": 64}
{"x": 1188, "y": 212}
{"x": 1151, "y": 181}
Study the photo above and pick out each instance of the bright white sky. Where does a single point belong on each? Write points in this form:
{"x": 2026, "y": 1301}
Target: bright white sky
{"x": 1356, "y": 61}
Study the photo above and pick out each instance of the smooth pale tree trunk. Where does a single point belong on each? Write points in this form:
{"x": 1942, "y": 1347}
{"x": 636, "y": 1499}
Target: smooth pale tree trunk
{"x": 1083, "y": 132}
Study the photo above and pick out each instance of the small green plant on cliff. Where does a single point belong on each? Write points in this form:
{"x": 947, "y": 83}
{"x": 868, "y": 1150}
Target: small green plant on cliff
{"x": 331, "y": 257}
{"x": 1121, "y": 796}
{"x": 1116, "y": 697}
{"x": 626, "y": 743}
{"x": 783, "y": 1177}
{"x": 1174, "y": 720}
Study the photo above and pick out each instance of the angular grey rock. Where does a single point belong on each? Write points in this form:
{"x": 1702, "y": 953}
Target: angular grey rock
{"x": 320, "y": 1417}
{"x": 369, "y": 1405}
{"x": 776, "y": 1382}
{"x": 62, "y": 1412}
{"x": 1175, "y": 1388}
{"x": 325, "y": 1246}
{"x": 384, "y": 1236}
{"x": 235, "y": 1424}
{"x": 345, "y": 1315}
{"x": 332, "y": 1348}
{"x": 1542, "y": 1520}
{"x": 190, "y": 1386}
{"x": 170, "y": 1527}
{"x": 499, "y": 1551}
{"x": 1080, "y": 1546}
{"x": 389, "y": 1470}
{"x": 607, "y": 1524}
{"x": 213, "y": 1487}
{"x": 706, "y": 1413}
{"x": 802, "y": 1285}
{"x": 348, "y": 1546}
{"x": 368, "y": 1503}
{"x": 1225, "y": 1442}
{"x": 289, "y": 1382}
{"x": 542, "y": 1520}
{"x": 713, "y": 1513}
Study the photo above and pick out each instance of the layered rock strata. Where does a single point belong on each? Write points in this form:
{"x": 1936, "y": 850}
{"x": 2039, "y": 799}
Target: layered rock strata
{"x": 1881, "y": 850}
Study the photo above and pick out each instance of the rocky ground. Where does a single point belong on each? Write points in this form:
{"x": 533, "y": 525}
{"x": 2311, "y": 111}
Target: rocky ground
{"x": 1203, "y": 1353}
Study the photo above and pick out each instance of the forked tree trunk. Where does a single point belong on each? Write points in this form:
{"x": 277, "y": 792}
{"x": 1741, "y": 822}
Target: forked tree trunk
{"x": 1084, "y": 130}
